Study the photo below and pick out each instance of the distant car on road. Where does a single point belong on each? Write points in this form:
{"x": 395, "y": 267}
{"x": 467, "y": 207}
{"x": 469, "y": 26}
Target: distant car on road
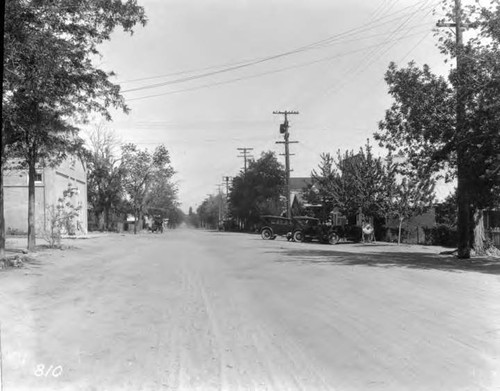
{"x": 157, "y": 225}
{"x": 272, "y": 226}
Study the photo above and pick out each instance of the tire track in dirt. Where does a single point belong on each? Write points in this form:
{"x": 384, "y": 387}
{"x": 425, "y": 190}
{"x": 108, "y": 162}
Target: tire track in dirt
{"x": 195, "y": 349}
{"x": 210, "y": 311}
{"x": 230, "y": 331}
{"x": 278, "y": 362}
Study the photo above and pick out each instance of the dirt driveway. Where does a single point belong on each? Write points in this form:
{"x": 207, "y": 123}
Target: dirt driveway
{"x": 193, "y": 310}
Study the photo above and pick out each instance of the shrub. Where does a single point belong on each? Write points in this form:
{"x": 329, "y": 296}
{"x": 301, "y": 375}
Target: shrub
{"x": 60, "y": 219}
{"x": 441, "y": 235}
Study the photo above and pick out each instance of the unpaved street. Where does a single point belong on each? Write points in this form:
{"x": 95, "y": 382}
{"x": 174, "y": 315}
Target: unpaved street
{"x": 194, "y": 310}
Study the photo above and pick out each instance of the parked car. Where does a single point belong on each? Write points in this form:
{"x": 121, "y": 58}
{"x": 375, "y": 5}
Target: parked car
{"x": 272, "y": 226}
{"x": 308, "y": 228}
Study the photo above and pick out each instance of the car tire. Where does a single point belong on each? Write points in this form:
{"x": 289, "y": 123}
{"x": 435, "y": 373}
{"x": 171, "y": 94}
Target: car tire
{"x": 267, "y": 234}
{"x": 298, "y": 236}
{"x": 333, "y": 238}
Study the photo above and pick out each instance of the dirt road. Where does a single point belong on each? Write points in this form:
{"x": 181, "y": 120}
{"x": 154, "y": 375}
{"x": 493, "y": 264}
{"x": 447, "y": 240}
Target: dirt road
{"x": 192, "y": 310}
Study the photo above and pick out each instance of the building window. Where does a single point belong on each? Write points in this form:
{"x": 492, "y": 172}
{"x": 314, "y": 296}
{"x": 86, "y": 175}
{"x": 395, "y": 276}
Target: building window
{"x": 38, "y": 178}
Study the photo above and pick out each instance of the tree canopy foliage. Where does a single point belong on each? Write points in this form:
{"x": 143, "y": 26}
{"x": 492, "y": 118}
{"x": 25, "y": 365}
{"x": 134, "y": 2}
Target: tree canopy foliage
{"x": 145, "y": 176}
{"x": 258, "y": 191}
{"x": 105, "y": 191}
{"x": 374, "y": 187}
{"x": 351, "y": 182}
{"x": 408, "y": 195}
{"x": 136, "y": 182}
{"x": 208, "y": 214}
{"x": 50, "y": 78}
{"x": 423, "y": 122}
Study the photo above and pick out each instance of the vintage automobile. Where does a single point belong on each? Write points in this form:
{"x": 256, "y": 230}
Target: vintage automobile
{"x": 307, "y": 229}
{"x": 157, "y": 225}
{"x": 272, "y": 226}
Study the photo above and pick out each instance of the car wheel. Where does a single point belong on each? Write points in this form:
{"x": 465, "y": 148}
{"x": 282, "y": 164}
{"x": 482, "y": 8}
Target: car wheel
{"x": 333, "y": 238}
{"x": 266, "y": 234}
{"x": 298, "y": 236}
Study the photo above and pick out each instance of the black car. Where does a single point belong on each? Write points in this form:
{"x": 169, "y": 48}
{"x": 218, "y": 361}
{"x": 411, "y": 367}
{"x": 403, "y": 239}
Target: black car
{"x": 307, "y": 229}
{"x": 157, "y": 225}
{"x": 272, "y": 226}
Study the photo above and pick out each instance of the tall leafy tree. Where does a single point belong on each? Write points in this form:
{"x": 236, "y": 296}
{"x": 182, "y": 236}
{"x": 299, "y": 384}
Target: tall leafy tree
{"x": 161, "y": 198}
{"x": 352, "y": 182}
{"x": 175, "y": 217}
{"x": 258, "y": 191}
{"x": 193, "y": 219}
{"x": 51, "y": 79}
{"x": 410, "y": 196}
{"x": 209, "y": 211}
{"x": 423, "y": 124}
{"x": 143, "y": 171}
{"x": 104, "y": 177}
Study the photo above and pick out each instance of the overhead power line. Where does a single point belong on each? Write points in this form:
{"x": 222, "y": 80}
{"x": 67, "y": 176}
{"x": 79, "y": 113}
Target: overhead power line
{"x": 272, "y": 71}
{"x": 234, "y": 68}
{"x": 378, "y": 51}
{"x": 244, "y": 64}
{"x": 245, "y": 155}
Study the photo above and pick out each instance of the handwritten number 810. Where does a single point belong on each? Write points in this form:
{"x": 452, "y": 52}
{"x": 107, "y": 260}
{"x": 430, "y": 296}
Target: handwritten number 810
{"x": 51, "y": 371}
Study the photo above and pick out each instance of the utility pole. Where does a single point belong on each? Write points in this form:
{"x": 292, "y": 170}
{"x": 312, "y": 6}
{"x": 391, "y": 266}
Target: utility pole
{"x": 226, "y": 179}
{"x": 286, "y": 135}
{"x": 220, "y": 205}
{"x": 463, "y": 194}
{"x": 245, "y": 156}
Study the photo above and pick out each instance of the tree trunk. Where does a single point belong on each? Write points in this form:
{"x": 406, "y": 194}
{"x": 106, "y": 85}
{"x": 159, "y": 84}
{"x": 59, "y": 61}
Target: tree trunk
{"x": 479, "y": 234}
{"x": 2, "y": 155}
{"x": 31, "y": 205}
{"x": 399, "y": 230}
{"x": 100, "y": 221}
{"x": 106, "y": 217}
{"x": 140, "y": 221}
{"x": 463, "y": 200}
{"x": 136, "y": 213}
{"x": 2, "y": 219}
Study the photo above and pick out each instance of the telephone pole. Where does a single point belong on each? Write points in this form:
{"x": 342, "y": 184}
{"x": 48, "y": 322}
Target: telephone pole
{"x": 245, "y": 156}
{"x": 219, "y": 219}
{"x": 226, "y": 179}
{"x": 463, "y": 195}
{"x": 286, "y": 135}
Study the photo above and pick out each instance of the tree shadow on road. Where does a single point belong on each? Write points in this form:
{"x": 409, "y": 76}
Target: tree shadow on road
{"x": 413, "y": 260}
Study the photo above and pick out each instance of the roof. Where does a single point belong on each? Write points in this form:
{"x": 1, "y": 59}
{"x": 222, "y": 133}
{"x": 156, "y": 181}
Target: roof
{"x": 299, "y": 183}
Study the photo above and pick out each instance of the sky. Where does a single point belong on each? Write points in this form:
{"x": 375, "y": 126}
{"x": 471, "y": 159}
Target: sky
{"x": 203, "y": 77}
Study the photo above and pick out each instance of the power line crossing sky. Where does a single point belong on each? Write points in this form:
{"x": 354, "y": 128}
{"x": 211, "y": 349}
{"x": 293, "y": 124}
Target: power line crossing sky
{"x": 203, "y": 77}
